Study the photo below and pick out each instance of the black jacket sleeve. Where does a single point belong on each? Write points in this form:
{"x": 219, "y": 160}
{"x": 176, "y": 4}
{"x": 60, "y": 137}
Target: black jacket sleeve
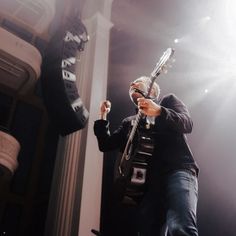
{"x": 106, "y": 140}
{"x": 175, "y": 114}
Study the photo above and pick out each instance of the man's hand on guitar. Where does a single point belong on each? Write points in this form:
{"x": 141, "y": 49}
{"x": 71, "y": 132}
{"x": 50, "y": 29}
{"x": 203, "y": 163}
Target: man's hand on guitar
{"x": 105, "y": 108}
{"x": 148, "y": 107}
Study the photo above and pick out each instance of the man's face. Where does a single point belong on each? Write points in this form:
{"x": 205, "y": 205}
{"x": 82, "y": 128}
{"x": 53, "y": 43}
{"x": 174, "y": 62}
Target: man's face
{"x": 138, "y": 88}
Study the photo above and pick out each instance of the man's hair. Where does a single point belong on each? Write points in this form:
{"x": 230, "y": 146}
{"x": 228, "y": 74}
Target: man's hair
{"x": 155, "y": 89}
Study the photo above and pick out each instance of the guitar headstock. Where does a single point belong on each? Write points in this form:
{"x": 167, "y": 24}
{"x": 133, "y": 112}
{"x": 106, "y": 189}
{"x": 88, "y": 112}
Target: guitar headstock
{"x": 164, "y": 63}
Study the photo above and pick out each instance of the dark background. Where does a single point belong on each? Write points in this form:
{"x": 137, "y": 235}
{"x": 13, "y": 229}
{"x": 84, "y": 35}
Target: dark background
{"x": 202, "y": 75}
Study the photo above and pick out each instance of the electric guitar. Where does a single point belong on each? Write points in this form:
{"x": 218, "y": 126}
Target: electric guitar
{"x": 133, "y": 163}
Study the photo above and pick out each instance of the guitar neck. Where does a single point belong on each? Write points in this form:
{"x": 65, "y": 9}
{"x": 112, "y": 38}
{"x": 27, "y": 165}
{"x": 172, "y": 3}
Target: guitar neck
{"x": 126, "y": 153}
{"x": 135, "y": 126}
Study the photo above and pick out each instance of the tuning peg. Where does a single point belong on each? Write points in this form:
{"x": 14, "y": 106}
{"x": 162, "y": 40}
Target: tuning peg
{"x": 173, "y": 60}
{"x": 164, "y": 69}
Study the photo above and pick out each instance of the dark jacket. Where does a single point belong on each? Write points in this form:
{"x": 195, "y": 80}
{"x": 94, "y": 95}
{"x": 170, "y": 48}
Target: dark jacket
{"x": 172, "y": 151}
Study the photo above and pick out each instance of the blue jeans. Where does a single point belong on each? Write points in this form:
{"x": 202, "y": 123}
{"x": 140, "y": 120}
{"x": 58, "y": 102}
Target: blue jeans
{"x": 172, "y": 201}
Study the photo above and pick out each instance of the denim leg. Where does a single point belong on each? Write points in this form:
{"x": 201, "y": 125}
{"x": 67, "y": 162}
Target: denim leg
{"x": 182, "y": 196}
{"x": 152, "y": 210}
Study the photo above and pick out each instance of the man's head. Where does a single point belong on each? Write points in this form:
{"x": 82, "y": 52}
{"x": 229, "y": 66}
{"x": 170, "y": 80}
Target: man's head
{"x": 139, "y": 88}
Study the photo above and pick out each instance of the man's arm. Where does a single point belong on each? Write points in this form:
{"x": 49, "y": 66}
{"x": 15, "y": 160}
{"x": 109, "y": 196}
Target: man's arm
{"x": 175, "y": 114}
{"x": 105, "y": 108}
{"x": 107, "y": 141}
{"x": 171, "y": 110}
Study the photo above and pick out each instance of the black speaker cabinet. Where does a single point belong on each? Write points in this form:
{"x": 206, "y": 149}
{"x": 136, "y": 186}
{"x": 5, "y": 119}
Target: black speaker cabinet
{"x": 61, "y": 97}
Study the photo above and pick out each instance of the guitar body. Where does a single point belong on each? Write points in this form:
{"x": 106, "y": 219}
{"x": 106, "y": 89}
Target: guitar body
{"x": 131, "y": 187}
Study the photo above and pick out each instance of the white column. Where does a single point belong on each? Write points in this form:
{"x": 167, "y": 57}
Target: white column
{"x": 64, "y": 186}
{"x": 96, "y": 66}
{"x": 75, "y": 200}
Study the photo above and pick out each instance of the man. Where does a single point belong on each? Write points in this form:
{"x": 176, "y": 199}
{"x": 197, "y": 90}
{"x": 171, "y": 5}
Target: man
{"x": 171, "y": 187}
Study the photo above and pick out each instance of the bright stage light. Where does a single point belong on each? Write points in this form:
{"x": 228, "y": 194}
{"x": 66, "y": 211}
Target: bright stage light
{"x": 176, "y": 40}
{"x": 207, "y": 18}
